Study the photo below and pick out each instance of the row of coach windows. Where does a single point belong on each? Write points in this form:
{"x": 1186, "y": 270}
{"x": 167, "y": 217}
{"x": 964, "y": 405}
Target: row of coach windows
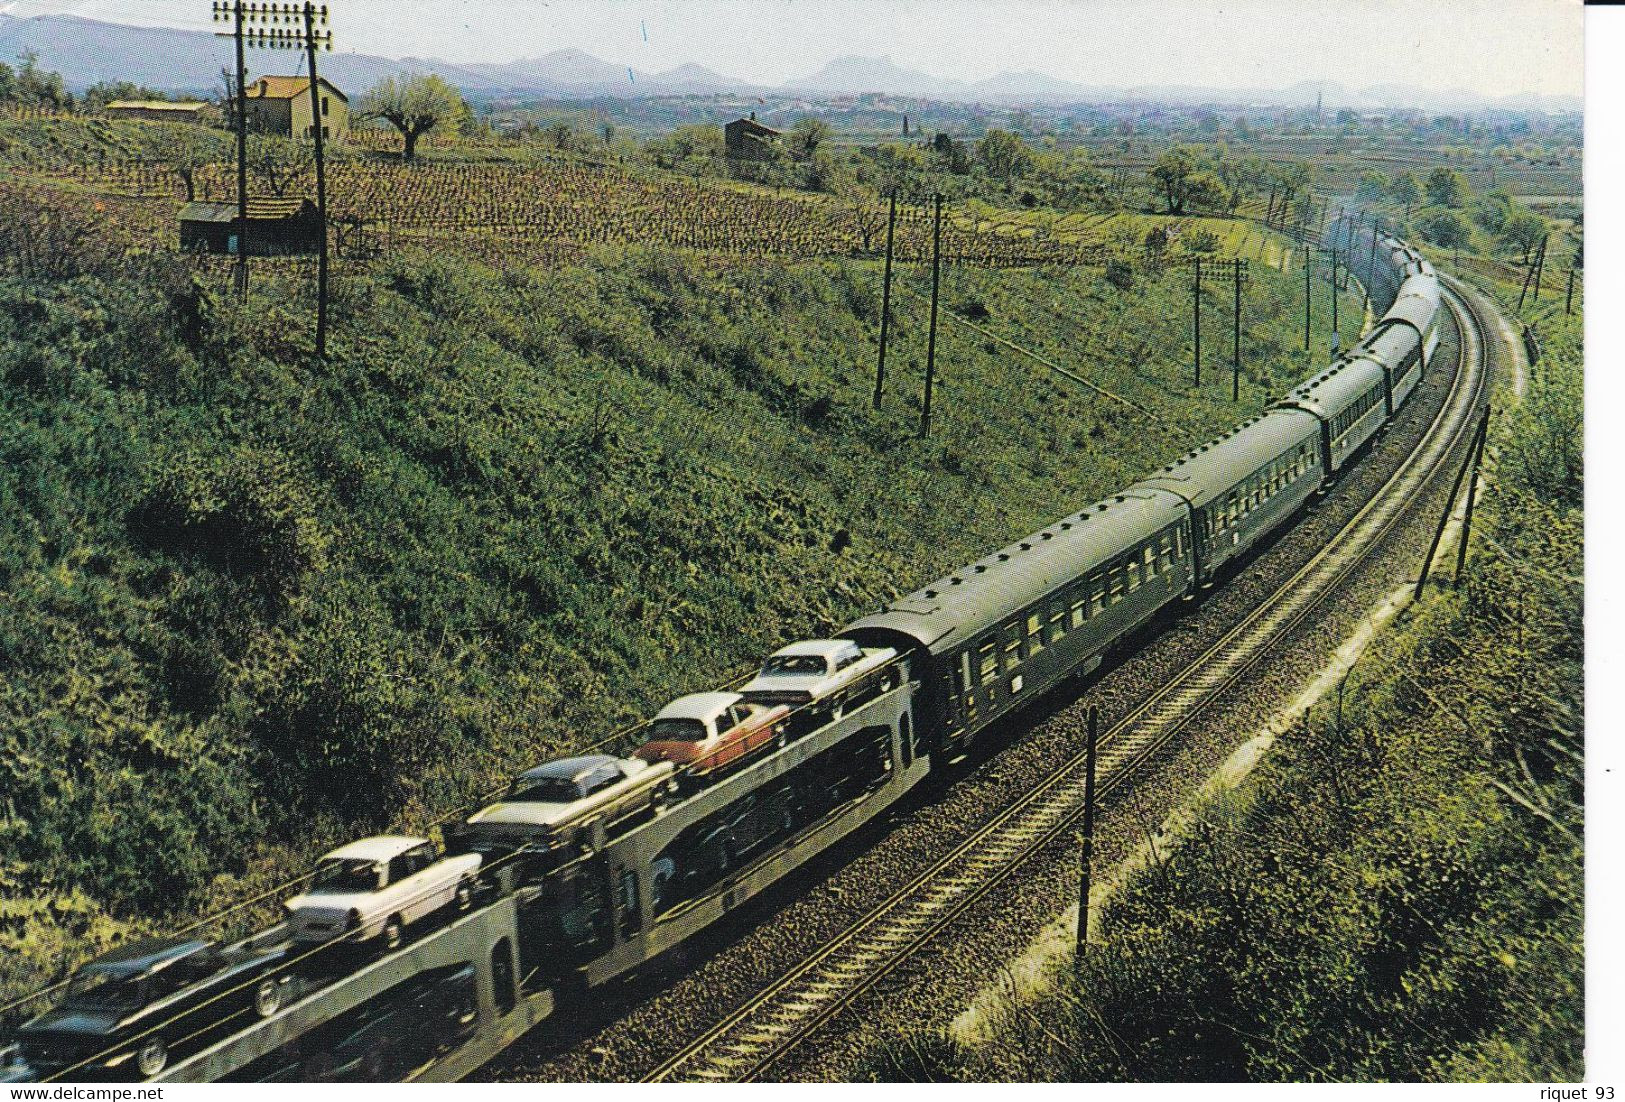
{"x": 1361, "y": 406}
{"x": 1071, "y": 609}
{"x": 1262, "y": 485}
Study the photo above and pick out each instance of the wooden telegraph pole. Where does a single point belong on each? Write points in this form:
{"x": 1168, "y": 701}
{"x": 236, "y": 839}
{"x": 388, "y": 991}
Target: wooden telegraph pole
{"x": 1088, "y": 857}
{"x": 1308, "y": 273}
{"x": 885, "y": 298}
{"x": 931, "y": 339}
{"x": 1235, "y": 337}
{"x": 295, "y": 27}
{"x": 234, "y": 12}
{"x": 1335, "y": 330}
{"x": 312, "y": 40}
{"x": 1371, "y": 265}
{"x": 1196, "y": 323}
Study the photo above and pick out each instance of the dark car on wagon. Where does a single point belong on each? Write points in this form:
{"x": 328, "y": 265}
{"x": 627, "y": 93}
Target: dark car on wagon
{"x": 124, "y": 1011}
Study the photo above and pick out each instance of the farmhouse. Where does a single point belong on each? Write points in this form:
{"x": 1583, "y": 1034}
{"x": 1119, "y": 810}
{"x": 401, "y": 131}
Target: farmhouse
{"x": 281, "y": 105}
{"x": 158, "y": 110}
{"x": 276, "y": 227}
{"x": 749, "y": 138}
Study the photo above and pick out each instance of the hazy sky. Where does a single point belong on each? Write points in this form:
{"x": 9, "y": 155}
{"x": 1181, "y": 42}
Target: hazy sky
{"x": 1487, "y": 46}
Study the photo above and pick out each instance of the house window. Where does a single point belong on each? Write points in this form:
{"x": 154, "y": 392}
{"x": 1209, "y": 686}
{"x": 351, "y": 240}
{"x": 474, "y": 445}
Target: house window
{"x": 326, "y": 104}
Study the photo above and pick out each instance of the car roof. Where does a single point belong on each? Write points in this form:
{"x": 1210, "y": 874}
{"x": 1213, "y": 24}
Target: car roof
{"x": 146, "y": 954}
{"x": 698, "y": 706}
{"x": 568, "y": 769}
{"x": 818, "y": 648}
{"x": 381, "y": 848}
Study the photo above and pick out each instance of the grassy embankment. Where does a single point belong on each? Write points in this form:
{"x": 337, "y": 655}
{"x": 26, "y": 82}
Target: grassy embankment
{"x": 1397, "y": 892}
{"x": 257, "y": 605}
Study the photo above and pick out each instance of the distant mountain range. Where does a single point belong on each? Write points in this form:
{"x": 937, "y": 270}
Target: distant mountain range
{"x": 86, "y": 51}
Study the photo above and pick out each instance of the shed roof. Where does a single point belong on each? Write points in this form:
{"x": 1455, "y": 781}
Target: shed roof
{"x": 751, "y": 126}
{"x": 262, "y": 209}
{"x": 154, "y": 105}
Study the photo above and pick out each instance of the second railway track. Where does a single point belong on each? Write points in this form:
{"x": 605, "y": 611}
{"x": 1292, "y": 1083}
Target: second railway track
{"x": 751, "y": 1040}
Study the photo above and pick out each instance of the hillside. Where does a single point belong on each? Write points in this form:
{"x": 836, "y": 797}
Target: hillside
{"x": 258, "y": 604}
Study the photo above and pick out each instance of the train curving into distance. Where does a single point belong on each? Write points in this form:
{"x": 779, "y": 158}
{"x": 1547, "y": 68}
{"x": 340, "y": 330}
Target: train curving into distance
{"x": 590, "y": 867}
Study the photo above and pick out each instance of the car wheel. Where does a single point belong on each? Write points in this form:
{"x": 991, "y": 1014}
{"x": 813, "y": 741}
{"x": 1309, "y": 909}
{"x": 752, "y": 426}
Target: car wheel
{"x": 152, "y": 1057}
{"x": 465, "y": 897}
{"x": 267, "y": 997}
{"x": 394, "y": 934}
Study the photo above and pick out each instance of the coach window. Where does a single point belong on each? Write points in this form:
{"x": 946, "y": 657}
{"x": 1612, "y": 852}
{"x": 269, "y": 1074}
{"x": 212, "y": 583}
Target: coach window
{"x": 1080, "y": 605}
{"x": 1097, "y": 593}
{"x": 987, "y": 657}
{"x": 1057, "y": 620}
{"x": 1150, "y": 553}
{"x": 1012, "y": 646}
{"x": 1035, "y": 633}
{"x": 1114, "y": 590}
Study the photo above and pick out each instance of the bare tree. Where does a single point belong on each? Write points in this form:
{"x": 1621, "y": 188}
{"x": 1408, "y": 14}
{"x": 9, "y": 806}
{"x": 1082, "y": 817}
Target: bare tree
{"x": 279, "y": 163}
{"x": 414, "y": 106}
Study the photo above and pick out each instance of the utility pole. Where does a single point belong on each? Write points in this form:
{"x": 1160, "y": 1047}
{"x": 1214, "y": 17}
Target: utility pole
{"x": 1088, "y": 857}
{"x": 1450, "y": 504}
{"x": 885, "y": 293}
{"x": 1235, "y": 332}
{"x": 312, "y": 39}
{"x": 234, "y": 11}
{"x": 1371, "y": 265}
{"x": 276, "y": 34}
{"x": 1308, "y": 271}
{"x": 1196, "y": 320}
{"x": 1337, "y": 333}
{"x": 931, "y": 339}
{"x": 1540, "y": 267}
{"x": 1472, "y": 493}
{"x": 1568, "y": 301}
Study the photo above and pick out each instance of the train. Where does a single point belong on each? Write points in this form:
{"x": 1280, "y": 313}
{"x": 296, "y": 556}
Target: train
{"x": 562, "y": 912}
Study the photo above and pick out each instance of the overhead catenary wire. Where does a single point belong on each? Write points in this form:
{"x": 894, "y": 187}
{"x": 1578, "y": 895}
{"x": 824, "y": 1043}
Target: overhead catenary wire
{"x": 1039, "y": 358}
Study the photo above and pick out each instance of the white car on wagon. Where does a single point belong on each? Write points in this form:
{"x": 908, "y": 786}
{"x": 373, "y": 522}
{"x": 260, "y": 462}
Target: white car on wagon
{"x": 377, "y": 887}
{"x": 825, "y": 674}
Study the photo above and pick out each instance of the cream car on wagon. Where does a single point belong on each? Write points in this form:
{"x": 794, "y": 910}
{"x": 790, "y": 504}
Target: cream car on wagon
{"x": 378, "y": 887}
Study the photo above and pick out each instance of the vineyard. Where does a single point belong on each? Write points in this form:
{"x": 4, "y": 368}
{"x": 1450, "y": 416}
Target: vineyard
{"x": 563, "y": 206}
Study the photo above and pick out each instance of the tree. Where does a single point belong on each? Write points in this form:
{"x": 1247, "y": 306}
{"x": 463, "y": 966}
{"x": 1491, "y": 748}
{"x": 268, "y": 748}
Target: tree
{"x": 1523, "y": 230}
{"x": 807, "y": 135}
{"x": 1003, "y": 155}
{"x": 561, "y": 135}
{"x": 866, "y": 216}
{"x": 1447, "y": 228}
{"x": 279, "y": 163}
{"x": 1446, "y": 187}
{"x": 38, "y": 87}
{"x": 1372, "y": 187}
{"x": 414, "y": 106}
{"x": 690, "y": 148}
{"x": 185, "y": 150}
{"x": 1406, "y": 189}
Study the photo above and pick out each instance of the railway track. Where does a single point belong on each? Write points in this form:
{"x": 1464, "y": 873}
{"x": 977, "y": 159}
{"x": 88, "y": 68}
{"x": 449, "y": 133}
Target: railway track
{"x": 748, "y": 1043}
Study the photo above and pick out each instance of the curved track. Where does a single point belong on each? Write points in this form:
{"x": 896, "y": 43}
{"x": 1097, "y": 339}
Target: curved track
{"x": 750, "y": 1041}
